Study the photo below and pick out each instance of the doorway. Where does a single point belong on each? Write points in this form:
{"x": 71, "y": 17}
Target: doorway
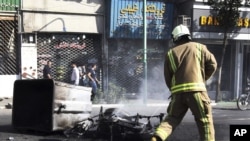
{"x": 246, "y": 66}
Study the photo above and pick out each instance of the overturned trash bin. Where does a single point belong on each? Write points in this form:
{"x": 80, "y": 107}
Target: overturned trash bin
{"x": 47, "y": 105}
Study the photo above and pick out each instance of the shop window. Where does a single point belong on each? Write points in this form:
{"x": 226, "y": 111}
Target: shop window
{"x": 226, "y": 68}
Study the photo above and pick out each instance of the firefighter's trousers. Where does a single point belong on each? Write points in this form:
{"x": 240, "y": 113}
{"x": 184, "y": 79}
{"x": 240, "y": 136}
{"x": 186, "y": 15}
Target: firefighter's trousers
{"x": 199, "y": 104}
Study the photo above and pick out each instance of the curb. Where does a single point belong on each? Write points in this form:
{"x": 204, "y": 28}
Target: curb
{"x": 6, "y": 103}
{"x": 129, "y": 105}
{"x": 9, "y": 105}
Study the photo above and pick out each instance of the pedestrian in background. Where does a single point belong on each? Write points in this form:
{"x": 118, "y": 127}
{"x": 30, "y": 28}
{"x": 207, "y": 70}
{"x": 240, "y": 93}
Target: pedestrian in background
{"x": 83, "y": 75}
{"x": 80, "y": 74}
{"x": 93, "y": 81}
{"x": 187, "y": 66}
{"x": 75, "y": 76}
{"x": 47, "y": 70}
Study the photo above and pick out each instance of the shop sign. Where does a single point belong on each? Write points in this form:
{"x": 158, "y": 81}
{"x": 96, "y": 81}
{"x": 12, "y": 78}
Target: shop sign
{"x": 63, "y": 45}
{"x": 205, "y": 21}
{"x": 126, "y": 19}
{"x": 9, "y": 5}
{"x": 210, "y": 20}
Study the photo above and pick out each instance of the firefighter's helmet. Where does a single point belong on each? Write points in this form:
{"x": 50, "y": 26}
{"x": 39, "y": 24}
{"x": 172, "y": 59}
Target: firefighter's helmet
{"x": 180, "y": 31}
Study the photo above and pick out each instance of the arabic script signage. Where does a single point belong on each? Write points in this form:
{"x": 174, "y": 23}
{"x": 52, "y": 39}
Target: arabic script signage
{"x": 9, "y": 5}
{"x": 126, "y": 19}
{"x": 62, "y": 45}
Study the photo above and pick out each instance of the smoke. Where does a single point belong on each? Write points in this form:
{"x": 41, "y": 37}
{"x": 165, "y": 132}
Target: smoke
{"x": 126, "y": 70}
{"x": 156, "y": 87}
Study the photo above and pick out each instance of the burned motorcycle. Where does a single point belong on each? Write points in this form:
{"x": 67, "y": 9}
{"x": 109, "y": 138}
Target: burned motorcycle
{"x": 115, "y": 124}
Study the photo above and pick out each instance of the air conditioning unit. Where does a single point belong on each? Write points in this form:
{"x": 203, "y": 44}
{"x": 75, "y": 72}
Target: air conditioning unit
{"x": 185, "y": 20}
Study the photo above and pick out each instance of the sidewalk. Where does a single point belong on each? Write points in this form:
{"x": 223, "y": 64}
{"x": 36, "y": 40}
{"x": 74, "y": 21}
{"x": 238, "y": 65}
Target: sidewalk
{"x": 6, "y": 103}
{"x": 225, "y": 105}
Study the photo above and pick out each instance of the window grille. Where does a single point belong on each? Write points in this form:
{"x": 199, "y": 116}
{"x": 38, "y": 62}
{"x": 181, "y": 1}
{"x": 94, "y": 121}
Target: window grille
{"x": 8, "y": 46}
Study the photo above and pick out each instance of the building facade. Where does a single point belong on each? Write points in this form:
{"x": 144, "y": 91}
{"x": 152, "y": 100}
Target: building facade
{"x": 133, "y": 65}
{"x": 235, "y": 69}
{"x": 8, "y": 46}
{"x": 111, "y": 34}
{"x": 62, "y": 32}
{"x": 50, "y": 30}
{"x": 125, "y": 38}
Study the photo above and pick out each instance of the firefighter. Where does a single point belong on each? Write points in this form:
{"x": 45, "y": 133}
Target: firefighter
{"x": 186, "y": 68}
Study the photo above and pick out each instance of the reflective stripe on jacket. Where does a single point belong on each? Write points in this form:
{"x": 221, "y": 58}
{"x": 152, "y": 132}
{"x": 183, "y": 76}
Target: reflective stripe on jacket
{"x": 188, "y": 66}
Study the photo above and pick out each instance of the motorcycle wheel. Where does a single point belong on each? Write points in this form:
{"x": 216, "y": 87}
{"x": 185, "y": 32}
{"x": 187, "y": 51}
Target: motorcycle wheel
{"x": 242, "y": 102}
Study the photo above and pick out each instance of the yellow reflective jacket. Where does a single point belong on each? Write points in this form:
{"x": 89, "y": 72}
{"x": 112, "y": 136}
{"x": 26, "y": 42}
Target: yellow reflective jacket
{"x": 188, "y": 66}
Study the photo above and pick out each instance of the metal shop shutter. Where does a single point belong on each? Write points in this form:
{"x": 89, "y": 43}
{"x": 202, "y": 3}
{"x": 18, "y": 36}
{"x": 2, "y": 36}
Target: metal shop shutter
{"x": 126, "y": 65}
{"x": 8, "y": 46}
{"x": 63, "y": 49}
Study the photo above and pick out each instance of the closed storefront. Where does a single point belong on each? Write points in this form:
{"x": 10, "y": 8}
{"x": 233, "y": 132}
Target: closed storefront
{"x": 8, "y": 46}
{"x": 64, "y": 33}
{"x": 63, "y": 49}
{"x": 128, "y": 68}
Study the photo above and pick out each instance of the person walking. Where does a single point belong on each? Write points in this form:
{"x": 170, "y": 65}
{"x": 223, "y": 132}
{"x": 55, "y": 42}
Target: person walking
{"x": 47, "y": 70}
{"x": 75, "y": 76}
{"x": 83, "y": 75}
{"x": 186, "y": 68}
{"x": 93, "y": 80}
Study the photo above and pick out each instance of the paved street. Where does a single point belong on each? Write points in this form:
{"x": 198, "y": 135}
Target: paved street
{"x": 187, "y": 130}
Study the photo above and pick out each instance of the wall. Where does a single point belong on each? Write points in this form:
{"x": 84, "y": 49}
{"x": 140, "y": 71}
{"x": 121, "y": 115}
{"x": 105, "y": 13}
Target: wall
{"x": 60, "y": 15}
